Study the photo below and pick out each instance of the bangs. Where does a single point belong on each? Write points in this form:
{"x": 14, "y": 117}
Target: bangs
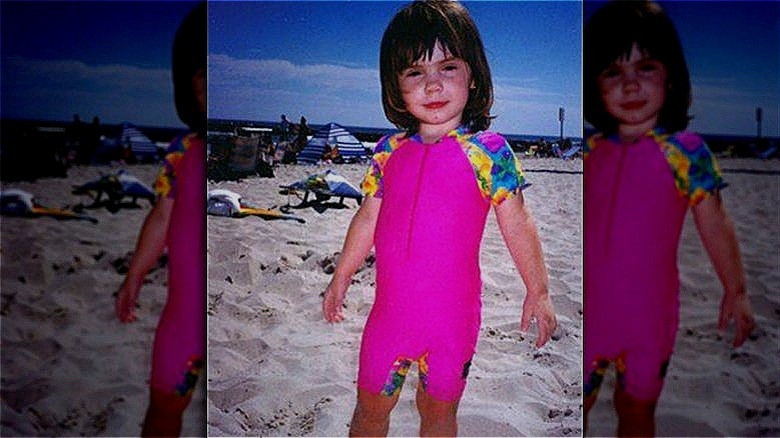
{"x": 430, "y": 29}
{"x": 616, "y": 44}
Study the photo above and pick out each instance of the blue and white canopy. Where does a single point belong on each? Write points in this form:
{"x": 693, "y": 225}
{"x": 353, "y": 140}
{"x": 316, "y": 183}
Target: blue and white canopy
{"x": 140, "y": 144}
{"x": 350, "y": 148}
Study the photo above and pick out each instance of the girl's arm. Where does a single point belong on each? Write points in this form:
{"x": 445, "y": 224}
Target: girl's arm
{"x": 357, "y": 244}
{"x": 720, "y": 241}
{"x": 151, "y": 242}
{"x": 519, "y": 232}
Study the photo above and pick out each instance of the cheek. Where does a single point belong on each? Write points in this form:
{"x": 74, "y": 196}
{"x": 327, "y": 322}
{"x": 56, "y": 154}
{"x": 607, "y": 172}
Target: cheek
{"x": 606, "y": 93}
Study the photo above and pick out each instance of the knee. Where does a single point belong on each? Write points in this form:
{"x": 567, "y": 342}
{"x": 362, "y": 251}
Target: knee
{"x": 167, "y": 403}
{"x": 431, "y": 409}
{"x": 373, "y": 407}
{"x": 630, "y": 407}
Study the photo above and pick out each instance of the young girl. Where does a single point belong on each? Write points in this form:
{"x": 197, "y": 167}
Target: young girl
{"x": 642, "y": 173}
{"x": 178, "y": 221}
{"x": 428, "y": 192}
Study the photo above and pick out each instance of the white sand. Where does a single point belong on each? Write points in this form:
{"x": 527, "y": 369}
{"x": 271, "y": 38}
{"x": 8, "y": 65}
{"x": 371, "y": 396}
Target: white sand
{"x": 276, "y": 368}
{"x": 68, "y": 366}
{"x": 711, "y": 388}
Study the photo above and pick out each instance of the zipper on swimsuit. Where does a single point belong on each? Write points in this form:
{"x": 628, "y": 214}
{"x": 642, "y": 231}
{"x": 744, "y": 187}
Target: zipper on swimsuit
{"x": 613, "y": 196}
{"x": 414, "y": 200}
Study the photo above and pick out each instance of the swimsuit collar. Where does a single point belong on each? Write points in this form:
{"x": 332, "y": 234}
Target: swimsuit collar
{"x": 456, "y": 133}
{"x": 656, "y": 132}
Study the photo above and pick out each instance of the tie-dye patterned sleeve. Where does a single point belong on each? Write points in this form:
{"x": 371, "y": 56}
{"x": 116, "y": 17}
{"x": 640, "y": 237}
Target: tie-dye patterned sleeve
{"x": 697, "y": 174}
{"x": 499, "y": 172}
{"x": 165, "y": 184}
{"x": 373, "y": 184}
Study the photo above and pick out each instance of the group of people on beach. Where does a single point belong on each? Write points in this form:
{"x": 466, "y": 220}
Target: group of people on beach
{"x": 642, "y": 172}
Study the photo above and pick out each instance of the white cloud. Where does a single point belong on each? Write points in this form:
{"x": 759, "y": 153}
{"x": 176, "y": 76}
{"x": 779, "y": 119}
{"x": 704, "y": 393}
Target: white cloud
{"x": 262, "y": 89}
{"x": 57, "y": 89}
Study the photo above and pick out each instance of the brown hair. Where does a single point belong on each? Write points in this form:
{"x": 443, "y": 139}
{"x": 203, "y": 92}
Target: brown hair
{"x": 610, "y": 34}
{"x": 189, "y": 56}
{"x": 415, "y": 31}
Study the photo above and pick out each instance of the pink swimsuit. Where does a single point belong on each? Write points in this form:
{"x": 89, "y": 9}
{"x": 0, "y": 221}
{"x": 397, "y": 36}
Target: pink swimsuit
{"x": 179, "y": 342}
{"x": 636, "y": 197}
{"x": 435, "y": 200}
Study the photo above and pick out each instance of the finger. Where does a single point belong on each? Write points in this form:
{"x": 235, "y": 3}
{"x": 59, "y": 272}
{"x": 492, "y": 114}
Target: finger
{"x": 525, "y": 321}
{"x": 545, "y": 332}
{"x": 745, "y": 327}
{"x": 723, "y": 318}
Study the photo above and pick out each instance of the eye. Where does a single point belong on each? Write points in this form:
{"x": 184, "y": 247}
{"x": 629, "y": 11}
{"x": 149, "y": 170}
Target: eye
{"x": 650, "y": 66}
{"x": 610, "y": 72}
{"x": 410, "y": 73}
{"x": 450, "y": 67}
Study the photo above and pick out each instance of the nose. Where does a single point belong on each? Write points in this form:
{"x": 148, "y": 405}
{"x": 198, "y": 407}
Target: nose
{"x": 630, "y": 80}
{"x": 432, "y": 83}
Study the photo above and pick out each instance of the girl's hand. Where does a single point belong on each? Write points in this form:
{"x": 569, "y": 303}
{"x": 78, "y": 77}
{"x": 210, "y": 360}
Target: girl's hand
{"x": 126, "y": 298}
{"x": 737, "y": 307}
{"x": 541, "y": 309}
{"x": 334, "y": 299}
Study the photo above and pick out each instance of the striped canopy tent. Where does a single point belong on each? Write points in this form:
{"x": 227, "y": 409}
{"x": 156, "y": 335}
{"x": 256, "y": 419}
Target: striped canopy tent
{"x": 349, "y": 147}
{"x": 141, "y": 146}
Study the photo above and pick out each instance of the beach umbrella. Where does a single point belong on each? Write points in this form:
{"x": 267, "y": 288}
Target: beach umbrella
{"x": 117, "y": 186}
{"x": 326, "y": 184}
{"x": 350, "y": 148}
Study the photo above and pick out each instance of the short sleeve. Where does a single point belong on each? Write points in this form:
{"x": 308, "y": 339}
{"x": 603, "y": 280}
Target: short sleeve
{"x": 499, "y": 173}
{"x": 165, "y": 184}
{"x": 696, "y": 171}
{"x": 373, "y": 182}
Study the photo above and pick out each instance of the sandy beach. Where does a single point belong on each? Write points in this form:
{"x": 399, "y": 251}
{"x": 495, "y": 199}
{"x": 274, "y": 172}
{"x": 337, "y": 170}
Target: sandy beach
{"x": 276, "y": 368}
{"x": 69, "y": 367}
{"x": 711, "y": 388}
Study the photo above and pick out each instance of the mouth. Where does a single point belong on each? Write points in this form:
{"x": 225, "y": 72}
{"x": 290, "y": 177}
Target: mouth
{"x": 435, "y": 105}
{"x": 633, "y": 105}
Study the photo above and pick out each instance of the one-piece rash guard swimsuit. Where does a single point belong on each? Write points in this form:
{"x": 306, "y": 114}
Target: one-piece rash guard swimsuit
{"x": 435, "y": 200}
{"x": 636, "y": 198}
{"x": 179, "y": 342}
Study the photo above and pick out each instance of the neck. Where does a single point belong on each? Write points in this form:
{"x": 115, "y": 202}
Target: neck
{"x": 433, "y": 133}
{"x": 631, "y": 134}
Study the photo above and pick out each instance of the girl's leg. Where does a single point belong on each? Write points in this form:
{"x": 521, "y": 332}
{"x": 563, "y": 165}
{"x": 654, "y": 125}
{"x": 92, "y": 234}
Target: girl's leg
{"x": 164, "y": 416}
{"x": 635, "y": 417}
{"x": 437, "y": 418}
{"x": 589, "y": 402}
{"x": 372, "y": 414}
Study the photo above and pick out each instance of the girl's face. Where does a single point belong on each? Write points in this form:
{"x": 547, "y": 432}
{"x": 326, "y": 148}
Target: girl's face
{"x": 435, "y": 91}
{"x": 633, "y": 91}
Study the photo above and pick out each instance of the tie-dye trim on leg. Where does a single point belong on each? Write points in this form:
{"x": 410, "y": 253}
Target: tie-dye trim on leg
{"x": 422, "y": 364}
{"x": 620, "y": 372}
{"x": 194, "y": 367}
{"x": 395, "y": 379}
{"x": 593, "y": 382}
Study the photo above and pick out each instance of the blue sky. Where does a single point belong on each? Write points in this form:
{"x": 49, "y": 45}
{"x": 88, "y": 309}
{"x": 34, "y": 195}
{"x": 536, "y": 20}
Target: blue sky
{"x": 320, "y": 60}
{"x": 105, "y": 59}
{"x": 733, "y": 54}
{"x": 112, "y": 59}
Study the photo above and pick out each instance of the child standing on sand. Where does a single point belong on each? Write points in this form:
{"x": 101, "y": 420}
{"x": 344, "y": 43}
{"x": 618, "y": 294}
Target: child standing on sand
{"x": 428, "y": 192}
{"x": 178, "y": 221}
{"x": 642, "y": 173}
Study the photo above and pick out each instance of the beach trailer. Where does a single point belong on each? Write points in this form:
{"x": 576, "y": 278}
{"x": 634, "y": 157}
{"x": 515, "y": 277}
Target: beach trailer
{"x": 350, "y": 149}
